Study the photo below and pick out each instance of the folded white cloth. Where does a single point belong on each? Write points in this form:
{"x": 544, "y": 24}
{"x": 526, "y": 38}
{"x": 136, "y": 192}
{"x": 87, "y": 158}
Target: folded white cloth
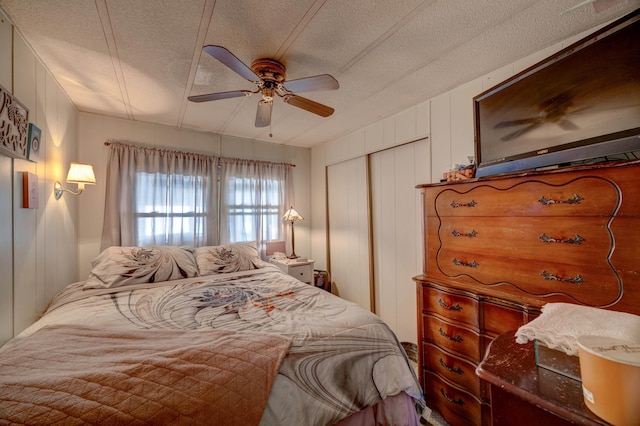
{"x": 560, "y": 325}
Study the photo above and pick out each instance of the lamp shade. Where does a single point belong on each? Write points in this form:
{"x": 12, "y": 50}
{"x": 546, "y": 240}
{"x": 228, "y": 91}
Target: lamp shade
{"x": 81, "y": 174}
{"x": 292, "y": 215}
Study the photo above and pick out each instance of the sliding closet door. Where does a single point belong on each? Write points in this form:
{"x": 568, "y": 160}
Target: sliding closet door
{"x": 397, "y": 232}
{"x": 349, "y": 253}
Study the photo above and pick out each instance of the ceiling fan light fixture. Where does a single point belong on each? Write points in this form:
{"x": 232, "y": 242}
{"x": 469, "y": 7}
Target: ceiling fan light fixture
{"x": 268, "y": 94}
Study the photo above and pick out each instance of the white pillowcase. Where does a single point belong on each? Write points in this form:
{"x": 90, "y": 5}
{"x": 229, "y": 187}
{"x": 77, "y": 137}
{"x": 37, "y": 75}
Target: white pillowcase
{"x": 227, "y": 258}
{"x": 118, "y": 266}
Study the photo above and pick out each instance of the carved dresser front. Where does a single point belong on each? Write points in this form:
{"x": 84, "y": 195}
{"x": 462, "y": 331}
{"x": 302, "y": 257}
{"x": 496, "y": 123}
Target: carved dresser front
{"x": 497, "y": 249}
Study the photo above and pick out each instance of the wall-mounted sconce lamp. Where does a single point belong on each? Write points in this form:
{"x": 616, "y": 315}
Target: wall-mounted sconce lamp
{"x": 81, "y": 174}
{"x": 292, "y": 215}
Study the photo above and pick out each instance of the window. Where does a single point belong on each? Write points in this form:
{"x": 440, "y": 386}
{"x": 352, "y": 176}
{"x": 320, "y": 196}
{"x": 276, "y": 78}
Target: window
{"x": 252, "y": 197}
{"x": 251, "y": 214}
{"x": 169, "y": 209}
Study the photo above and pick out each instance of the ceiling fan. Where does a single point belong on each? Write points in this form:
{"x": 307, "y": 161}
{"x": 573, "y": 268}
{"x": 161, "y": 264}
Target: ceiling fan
{"x": 269, "y": 77}
{"x": 553, "y": 110}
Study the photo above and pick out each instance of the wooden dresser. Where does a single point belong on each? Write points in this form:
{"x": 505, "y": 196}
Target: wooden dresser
{"x": 498, "y": 248}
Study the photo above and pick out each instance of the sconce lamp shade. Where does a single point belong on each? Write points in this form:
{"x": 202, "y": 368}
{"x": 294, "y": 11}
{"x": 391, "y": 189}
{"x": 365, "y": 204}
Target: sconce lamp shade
{"x": 82, "y": 174}
{"x": 292, "y": 215}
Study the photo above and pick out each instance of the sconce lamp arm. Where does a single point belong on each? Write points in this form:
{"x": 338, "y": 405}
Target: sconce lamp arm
{"x": 58, "y": 190}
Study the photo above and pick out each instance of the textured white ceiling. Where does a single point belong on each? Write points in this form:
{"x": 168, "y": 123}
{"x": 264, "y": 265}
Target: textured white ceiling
{"x": 141, "y": 59}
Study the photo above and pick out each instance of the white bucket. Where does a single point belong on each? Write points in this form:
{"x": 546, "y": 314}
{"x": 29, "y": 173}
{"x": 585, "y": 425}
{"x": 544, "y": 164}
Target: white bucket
{"x": 610, "y": 370}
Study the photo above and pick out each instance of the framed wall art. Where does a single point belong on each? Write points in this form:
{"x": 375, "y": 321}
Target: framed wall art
{"x": 29, "y": 190}
{"x": 14, "y": 119}
{"x": 33, "y": 147}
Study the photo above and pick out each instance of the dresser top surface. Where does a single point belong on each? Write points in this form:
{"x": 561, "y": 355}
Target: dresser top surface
{"x": 531, "y": 173}
{"x": 512, "y": 367}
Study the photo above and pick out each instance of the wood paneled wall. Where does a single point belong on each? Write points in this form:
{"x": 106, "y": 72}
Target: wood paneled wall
{"x": 38, "y": 247}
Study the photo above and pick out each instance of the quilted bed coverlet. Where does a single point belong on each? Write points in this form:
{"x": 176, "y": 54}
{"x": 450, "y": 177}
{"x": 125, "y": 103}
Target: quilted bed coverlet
{"x": 341, "y": 360}
{"x": 67, "y": 375}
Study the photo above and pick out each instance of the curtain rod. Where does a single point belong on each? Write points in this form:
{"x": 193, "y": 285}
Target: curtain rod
{"x": 108, "y": 143}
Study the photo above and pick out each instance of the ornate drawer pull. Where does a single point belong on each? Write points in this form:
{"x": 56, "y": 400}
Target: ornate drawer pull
{"x": 456, "y": 339}
{"x": 458, "y": 401}
{"x": 457, "y": 262}
{"x": 575, "y": 240}
{"x": 573, "y": 200}
{"x": 471, "y": 203}
{"x": 577, "y": 280}
{"x": 455, "y": 307}
{"x": 456, "y": 370}
{"x": 471, "y": 234}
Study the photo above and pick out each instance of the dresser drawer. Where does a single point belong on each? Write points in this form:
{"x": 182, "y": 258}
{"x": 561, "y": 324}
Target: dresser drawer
{"x": 453, "y": 306}
{"x": 452, "y": 337}
{"x": 451, "y": 367}
{"x": 500, "y": 319}
{"x": 627, "y": 243}
{"x": 556, "y": 239}
{"x": 586, "y": 284}
{"x": 452, "y": 402}
{"x": 581, "y": 196}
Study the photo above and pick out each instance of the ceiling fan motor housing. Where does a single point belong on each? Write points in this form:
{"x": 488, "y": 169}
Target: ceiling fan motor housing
{"x": 269, "y": 70}
{"x": 272, "y": 73}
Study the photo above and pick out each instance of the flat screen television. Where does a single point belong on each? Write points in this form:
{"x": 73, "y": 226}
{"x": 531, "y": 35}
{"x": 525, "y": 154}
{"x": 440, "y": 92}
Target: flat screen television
{"x": 579, "y": 104}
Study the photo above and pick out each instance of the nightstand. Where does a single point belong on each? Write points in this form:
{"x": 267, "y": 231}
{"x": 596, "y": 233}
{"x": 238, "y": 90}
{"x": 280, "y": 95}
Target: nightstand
{"x": 302, "y": 270}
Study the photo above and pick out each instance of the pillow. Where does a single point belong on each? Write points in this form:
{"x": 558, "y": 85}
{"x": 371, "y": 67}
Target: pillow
{"x": 227, "y": 258}
{"x": 118, "y": 266}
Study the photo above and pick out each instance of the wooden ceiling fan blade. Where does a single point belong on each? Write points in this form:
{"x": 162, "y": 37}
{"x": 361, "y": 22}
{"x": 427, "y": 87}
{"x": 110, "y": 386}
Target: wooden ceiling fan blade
{"x": 520, "y": 132}
{"x": 230, "y": 60}
{"x": 219, "y": 95}
{"x": 263, "y": 115}
{"x": 308, "y": 105}
{"x": 601, "y": 5}
{"x": 598, "y": 5}
{"x": 568, "y": 125}
{"x": 311, "y": 84}
{"x": 516, "y": 122}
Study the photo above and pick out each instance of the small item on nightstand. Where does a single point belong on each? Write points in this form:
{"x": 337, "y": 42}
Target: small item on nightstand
{"x": 611, "y": 378}
{"x": 557, "y": 361}
{"x": 556, "y": 332}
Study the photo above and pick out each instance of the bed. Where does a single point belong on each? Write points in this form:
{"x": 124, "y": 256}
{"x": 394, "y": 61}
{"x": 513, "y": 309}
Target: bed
{"x": 212, "y": 335}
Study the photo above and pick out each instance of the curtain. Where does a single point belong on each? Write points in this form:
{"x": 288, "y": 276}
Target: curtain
{"x": 160, "y": 197}
{"x": 253, "y": 197}
{"x": 164, "y": 197}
